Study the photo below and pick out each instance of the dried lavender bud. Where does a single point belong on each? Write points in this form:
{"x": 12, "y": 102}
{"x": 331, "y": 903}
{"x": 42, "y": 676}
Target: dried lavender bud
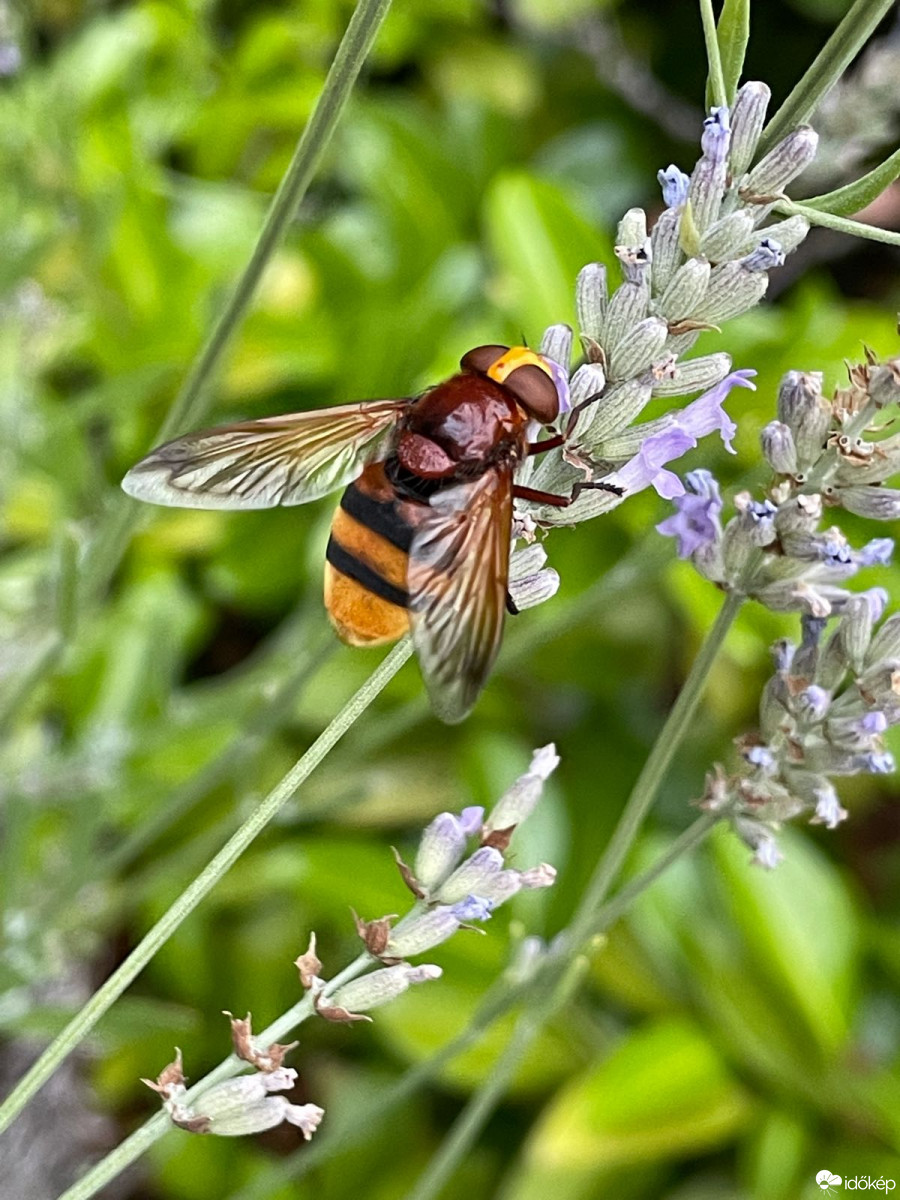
{"x": 884, "y": 383}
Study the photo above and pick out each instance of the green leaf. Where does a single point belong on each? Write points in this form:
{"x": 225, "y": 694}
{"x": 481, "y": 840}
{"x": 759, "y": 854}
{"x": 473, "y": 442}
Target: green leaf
{"x": 840, "y": 224}
{"x": 845, "y": 201}
{"x": 808, "y": 951}
{"x": 827, "y": 67}
{"x": 732, "y": 34}
{"x": 664, "y": 1093}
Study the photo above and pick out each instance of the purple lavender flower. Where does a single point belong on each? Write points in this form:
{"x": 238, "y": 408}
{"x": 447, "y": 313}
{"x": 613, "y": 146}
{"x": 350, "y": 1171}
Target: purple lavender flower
{"x": 716, "y": 136}
{"x": 674, "y": 184}
{"x": 872, "y": 723}
{"x": 876, "y": 553}
{"x": 647, "y": 468}
{"x": 706, "y": 415}
{"x": 768, "y": 254}
{"x": 694, "y": 524}
{"x": 473, "y": 908}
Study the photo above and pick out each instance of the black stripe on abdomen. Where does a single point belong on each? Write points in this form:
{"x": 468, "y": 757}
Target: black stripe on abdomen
{"x": 348, "y": 564}
{"x": 381, "y": 516}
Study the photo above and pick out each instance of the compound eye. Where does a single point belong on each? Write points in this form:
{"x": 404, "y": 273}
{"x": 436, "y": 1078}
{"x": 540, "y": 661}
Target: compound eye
{"x": 482, "y": 358}
{"x": 535, "y": 391}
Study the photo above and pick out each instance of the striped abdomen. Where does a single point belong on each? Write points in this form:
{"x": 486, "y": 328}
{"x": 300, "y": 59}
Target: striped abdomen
{"x": 366, "y": 561}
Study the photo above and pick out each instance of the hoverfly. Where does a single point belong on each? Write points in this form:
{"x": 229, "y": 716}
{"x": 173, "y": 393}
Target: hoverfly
{"x": 421, "y": 538}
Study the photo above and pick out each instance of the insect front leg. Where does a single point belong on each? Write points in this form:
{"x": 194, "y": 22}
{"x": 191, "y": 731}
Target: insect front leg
{"x": 556, "y": 501}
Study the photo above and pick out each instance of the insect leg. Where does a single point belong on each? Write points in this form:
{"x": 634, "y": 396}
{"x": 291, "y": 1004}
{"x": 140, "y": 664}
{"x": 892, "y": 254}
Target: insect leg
{"x": 550, "y": 444}
{"x": 556, "y": 501}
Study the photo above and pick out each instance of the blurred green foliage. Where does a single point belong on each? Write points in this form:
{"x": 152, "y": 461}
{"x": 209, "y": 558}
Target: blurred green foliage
{"x": 740, "y": 1030}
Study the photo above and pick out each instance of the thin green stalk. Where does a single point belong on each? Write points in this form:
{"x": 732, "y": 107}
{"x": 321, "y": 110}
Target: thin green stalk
{"x": 829, "y": 64}
{"x": 151, "y": 1131}
{"x": 713, "y": 53}
{"x": 192, "y": 402}
{"x": 495, "y": 1005}
{"x": 90, "y": 1014}
{"x": 816, "y": 216}
{"x": 653, "y": 772}
{"x": 474, "y": 1116}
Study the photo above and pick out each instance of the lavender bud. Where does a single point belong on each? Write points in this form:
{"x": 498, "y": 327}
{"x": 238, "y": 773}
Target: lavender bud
{"x": 695, "y": 375}
{"x": 762, "y": 758}
{"x": 528, "y": 591}
{"x": 881, "y": 504}
{"x": 665, "y": 248}
{"x": 729, "y": 237}
{"x": 541, "y": 876}
{"x": 812, "y": 704}
{"x": 632, "y": 231}
{"x": 520, "y": 801}
{"x": 855, "y": 631}
{"x": 877, "y": 598}
{"x": 788, "y": 233}
{"x": 708, "y": 179}
{"x": 422, "y": 930}
{"x": 782, "y": 164}
{"x": 783, "y": 652}
{"x": 778, "y": 447}
{"x": 804, "y": 410}
{"x": 800, "y": 515}
{"x": 382, "y": 986}
{"x": 732, "y": 291}
{"x": 685, "y": 290}
{"x": 556, "y": 344}
{"x": 475, "y": 908}
{"x": 674, "y": 184}
{"x": 442, "y": 846}
{"x": 474, "y": 875}
{"x": 767, "y": 255}
{"x": 831, "y": 666}
{"x": 885, "y": 645}
{"x": 880, "y": 686}
{"x": 626, "y": 308}
{"x": 589, "y": 380}
{"x": 856, "y": 733}
{"x": 617, "y": 408}
{"x": 243, "y": 1106}
{"x": 759, "y": 838}
{"x": 637, "y": 348}
{"x": 591, "y": 300}
{"x": 747, "y": 119}
{"x": 876, "y": 762}
{"x": 878, "y": 552}
{"x": 828, "y": 808}
{"x": 884, "y": 383}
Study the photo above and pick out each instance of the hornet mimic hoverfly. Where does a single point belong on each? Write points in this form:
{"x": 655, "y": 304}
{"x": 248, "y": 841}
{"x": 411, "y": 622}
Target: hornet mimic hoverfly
{"x": 421, "y": 539}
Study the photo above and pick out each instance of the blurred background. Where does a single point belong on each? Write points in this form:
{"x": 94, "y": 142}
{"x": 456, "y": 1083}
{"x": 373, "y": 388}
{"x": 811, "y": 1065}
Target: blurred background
{"x": 740, "y": 1032}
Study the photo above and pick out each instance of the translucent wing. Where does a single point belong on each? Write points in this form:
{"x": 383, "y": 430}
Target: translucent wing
{"x": 458, "y": 570}
{"x": 260, "y": 464}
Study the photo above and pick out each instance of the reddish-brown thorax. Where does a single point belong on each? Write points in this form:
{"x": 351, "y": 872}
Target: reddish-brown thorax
{"x": 467, "y": 424}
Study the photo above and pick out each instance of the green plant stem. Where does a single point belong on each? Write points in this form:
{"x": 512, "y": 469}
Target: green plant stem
{"x": 192, "y": 402}
{"x": 653, "y": 772}
{"x": 829, "y": 64}
{"x": 713, "y": 53}
{"x": 134, "y": 1146}
{"x": 84, "y": 1021}
{"x": 542, "y": 1007}
{"x": 860, "y": 229}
